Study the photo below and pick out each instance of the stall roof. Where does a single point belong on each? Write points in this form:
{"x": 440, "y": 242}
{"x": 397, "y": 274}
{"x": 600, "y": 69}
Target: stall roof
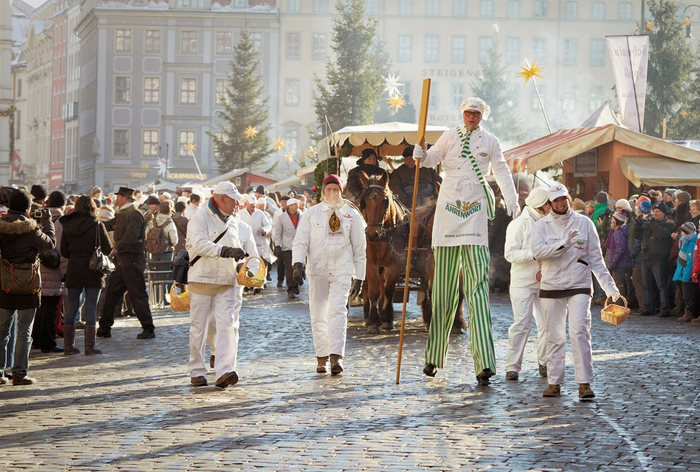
{"x": 567, "y": 143}
{"x": 393, "y": 133}
{"x": 652, "y": 171}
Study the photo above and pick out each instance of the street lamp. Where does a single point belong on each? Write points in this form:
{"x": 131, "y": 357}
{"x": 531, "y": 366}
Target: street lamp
{"x": 686, "y": 22}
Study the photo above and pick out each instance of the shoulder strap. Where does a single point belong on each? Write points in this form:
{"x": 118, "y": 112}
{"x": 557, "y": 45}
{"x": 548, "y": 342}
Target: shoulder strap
{"x": 218, "y": 238}
{"x": 467, "y": 153}
{"x": 97, "y": 236}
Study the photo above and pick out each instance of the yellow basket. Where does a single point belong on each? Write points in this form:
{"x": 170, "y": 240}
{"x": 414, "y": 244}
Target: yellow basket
{"x": 615, "y": 314}
{"x": 256, "y": 281}
{"x": 179, "y": 302}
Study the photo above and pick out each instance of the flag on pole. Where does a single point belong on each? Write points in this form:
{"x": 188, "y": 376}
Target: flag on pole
{"x": 630, "y": 56}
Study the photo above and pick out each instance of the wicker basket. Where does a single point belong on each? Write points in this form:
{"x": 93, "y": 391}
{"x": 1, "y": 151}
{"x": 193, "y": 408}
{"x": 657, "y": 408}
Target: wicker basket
{"x": 256, "y": 281}
{"x": 615, "y": 314}
{"x": 179, "y": 301}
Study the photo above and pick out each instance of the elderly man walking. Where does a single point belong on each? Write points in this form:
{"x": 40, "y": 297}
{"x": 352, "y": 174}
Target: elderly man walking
{"x": 285, "y": 230}
{"x": 460, "y": 234}
{"x": 213, "y": 237}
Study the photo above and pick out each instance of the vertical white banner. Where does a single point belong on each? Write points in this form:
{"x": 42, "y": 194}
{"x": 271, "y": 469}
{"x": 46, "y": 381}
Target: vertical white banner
{"x": 629, "y": 56}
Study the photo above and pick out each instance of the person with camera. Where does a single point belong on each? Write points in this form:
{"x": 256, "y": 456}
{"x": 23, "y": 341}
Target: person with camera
{"x": 22, "y": 239}
{"x": 214, "y": 291}
{"x": 81, "y": 232}
{"x": 130, "y": 260}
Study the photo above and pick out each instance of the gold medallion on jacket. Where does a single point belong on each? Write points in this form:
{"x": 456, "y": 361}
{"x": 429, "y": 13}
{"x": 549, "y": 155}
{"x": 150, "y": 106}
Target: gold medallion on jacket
{"x": 334, "y": 222}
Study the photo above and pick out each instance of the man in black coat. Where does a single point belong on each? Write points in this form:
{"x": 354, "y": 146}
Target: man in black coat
{"x": 22, "y": 239}
{"x": 129, "y": 244}
{"x": 402, "y": 179}
{"x": 369, "y": 164}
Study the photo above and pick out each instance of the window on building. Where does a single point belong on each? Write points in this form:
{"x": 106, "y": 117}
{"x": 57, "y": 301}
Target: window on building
{"x": 485, "y": 45}
{"x": 596, "y": 97}
{"x": 224, "y": 42}
{"x": 432, "y": 8}
{"x": 293, "y": 6}
{"x": 153, "y": 41}
{"x": 404, "y": 48}
{"x": 121, "y": 143}
{"x": 597, "y": 52}
{"x": 372, "y": 7}
{"x": 625, "y": 11}
{"x": 433, "y": 100}
{"x": 539, "y": 50}
{"x": 122, "y": 90}
{"x": 188, "y": 44}
{"x": 540, "y": 9}
{"x": 598, "y": 11}
{"x": 318, "y": 47}
{"x": 431, "y": 48}
{"x": 18, "y": 124}
{"x": 221, "y": 92}
{"x": 513, "y": 10}
{"x": 405, "y": 7}
{"x": 571, "y": 10}
{"x": 291, "y": 141}
{"x": 456, "y": 96}
{"x": 320, "y": 7}
{"x": 534, "y": 101}
{"x": 151, "y": 90}
{"x": 151, "y": 143}
{"x": 569, "y": 94}
{"x": 188, "y": 91}
{"x": 19, "y": 88}
{"x": 256, "y": 39}
{"x": 239, "y": 3}
{"x": 291, "y": 92}
{"x": 185, "y": 138}
{"x": 486, "y": 8}
{"x": 190, "y": 3}
{"x": 293, "y": 50}
{"x": 512, "y": 51}
{"x": 123, "y": 40}
{"x": 570, "y": 52}
{"x": 459, "y": 49}
{"x": 459, "y": 8}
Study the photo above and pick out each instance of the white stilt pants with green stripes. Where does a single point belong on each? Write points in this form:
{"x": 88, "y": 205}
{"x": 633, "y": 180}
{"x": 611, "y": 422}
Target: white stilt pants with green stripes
{"x": 473, "y": 262}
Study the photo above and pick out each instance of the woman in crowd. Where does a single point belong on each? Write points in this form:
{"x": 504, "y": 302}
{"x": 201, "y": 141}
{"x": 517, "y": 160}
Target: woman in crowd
{"x": 687, "y": 240}
{"x": 81, "y": 230}
{"x": 618, "y": 254}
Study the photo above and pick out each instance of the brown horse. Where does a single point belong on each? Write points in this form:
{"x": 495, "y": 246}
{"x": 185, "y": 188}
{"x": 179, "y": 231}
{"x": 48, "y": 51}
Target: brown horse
{"x": 387, "y": 238}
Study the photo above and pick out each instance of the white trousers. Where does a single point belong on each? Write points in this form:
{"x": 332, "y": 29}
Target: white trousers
{"x": 224, "y": 308}
{"x": 526, "y": 306}
{"x": 328, "y": 298}
{"x": 211, "y": 332}
{"x": 578, "y": 309}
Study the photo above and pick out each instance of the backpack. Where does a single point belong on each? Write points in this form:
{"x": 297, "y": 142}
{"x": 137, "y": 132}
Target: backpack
{"x": 156, "y": 239}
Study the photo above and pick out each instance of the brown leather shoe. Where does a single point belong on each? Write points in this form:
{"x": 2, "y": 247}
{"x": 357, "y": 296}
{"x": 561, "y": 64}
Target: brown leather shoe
{"x": 229, "y": 378}
{"x": 552, "y": 391}
{"x": 321, "y": 364}
{"x": 687, "y": 317}
{"x": 200, "y": 381}
{"x": 336, "y": 364}
{"x": 696, "y": 320}
{"x": 585, "y": 392}
{"x": 23, "y": 380}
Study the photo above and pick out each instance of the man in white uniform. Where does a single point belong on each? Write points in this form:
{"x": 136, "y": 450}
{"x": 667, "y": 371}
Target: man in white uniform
{"x": 525, "y": 284}
{"x": 212, "y": 284}
{"x": 330, "y": 240}
{"x": 460, "y": 234}
{"x": 567, "y": 244}
{"x": 284, "y": 230}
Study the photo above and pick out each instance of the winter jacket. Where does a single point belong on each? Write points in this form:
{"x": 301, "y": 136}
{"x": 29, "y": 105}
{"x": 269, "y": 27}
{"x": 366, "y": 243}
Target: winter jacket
{"x": 52, "y": 279}
{"x": 354, "y": 187}
{"x": 181, "y": 222}
{"x": 285, "y": 231}
{"x": 21, "y": 240}
{"x": 170, "y": 229}
{"x": 518, "y": 251}
{"x": 634, "y": 243}
{"x": 600, "y": 209}
{"x": 129, "y": 231}
{"x": 656, "y": 239}
{"x": 78, "y": 245}
{"x": 684, "y": 265}
{"x": 401, "y": 182}
{"x": 617, "y": 247}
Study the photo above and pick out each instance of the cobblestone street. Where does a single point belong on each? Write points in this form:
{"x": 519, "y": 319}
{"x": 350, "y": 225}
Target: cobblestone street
{"x": 132, "y": 408}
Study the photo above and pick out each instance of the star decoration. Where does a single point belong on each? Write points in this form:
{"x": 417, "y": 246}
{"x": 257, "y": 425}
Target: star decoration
{"x": 251, "y": 131}
{"x": 649, "y": 25}
{"x": 530, "y": 72}
{"x": 189, "y": 147}
{"x": 312, "y": 151}
{"x": 391, "y": 84}
{"x": 685, "y": 114}
{"x": 279, "y": 144}
{"x": 396, "y": 102}
{"x": 496, "y": 28}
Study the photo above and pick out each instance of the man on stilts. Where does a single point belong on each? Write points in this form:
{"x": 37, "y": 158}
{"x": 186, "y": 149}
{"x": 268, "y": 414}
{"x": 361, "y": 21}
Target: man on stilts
{"x": 460, "y": 234}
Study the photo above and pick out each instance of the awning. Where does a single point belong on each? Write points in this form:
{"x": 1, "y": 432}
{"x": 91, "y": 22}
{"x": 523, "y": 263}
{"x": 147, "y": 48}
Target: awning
{"x": 660, "y": 171}
{"x": 394, "y": 133}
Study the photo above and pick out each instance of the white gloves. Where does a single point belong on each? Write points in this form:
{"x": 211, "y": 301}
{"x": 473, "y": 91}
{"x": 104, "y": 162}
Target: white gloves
{"x": 571, "y": 238}
{"x": 418, "y": 152}
{"x": 513, "y": 210}
{"x": 614, "y": 295}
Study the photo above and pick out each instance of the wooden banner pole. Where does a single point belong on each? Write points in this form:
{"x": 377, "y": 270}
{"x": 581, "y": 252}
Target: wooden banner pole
{"x": 422, "y": 123}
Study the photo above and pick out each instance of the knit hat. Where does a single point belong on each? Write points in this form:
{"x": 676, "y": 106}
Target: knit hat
{"x": 333, "y": 179}
{"x": 624, "y": 205}
{"x": 689, "y": 227}
{"x": 537, "y": 198}
{"x": 660, "y": 206}
{"x": 56, "y": 199}
{"x": 20, "y": 201}
{"x": 682, "y": 196}
{"x": 644, "y": 206}
{"x": 39, "y": 192}
{"x": 260, "y": 189}
{"x": 642, "y": 198}
{"x": 601, "y": 197}
{"x": 368, "y": 152}
{"x": 671, "y": 191}
{"x": 620, "y": 216}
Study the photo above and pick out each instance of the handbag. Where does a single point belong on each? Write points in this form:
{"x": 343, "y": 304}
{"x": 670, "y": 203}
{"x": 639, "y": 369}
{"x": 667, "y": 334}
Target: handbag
{"x": 20, "y": 278}
{"x": 98, "y": 261}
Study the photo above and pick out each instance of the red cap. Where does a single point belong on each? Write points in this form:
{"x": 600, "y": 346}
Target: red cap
{"x": 333, "y": 179}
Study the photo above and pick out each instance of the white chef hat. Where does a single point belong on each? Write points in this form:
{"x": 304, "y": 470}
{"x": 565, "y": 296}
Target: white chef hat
{"x": 261, "y": 201}
{"x": 292, "y": 201}
{"x": 476, "y": 104}
{"x": 537, "y": 198}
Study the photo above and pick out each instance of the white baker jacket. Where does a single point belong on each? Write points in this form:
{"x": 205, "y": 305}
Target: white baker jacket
{"x": 284, "y": 231}
{"x": 566, "y": 269}
{"x": 204, "y": 227}
{"x": 245, "y": 236}
{"x": 329, "y": 253}
{"x": 518, "y": 251}
{"x": 258, "y": 220}
{"x": 461, "y": 213}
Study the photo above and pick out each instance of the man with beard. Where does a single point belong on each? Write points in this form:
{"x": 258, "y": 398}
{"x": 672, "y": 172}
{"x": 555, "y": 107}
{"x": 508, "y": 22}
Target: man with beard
{"x": 331, "y": 240}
